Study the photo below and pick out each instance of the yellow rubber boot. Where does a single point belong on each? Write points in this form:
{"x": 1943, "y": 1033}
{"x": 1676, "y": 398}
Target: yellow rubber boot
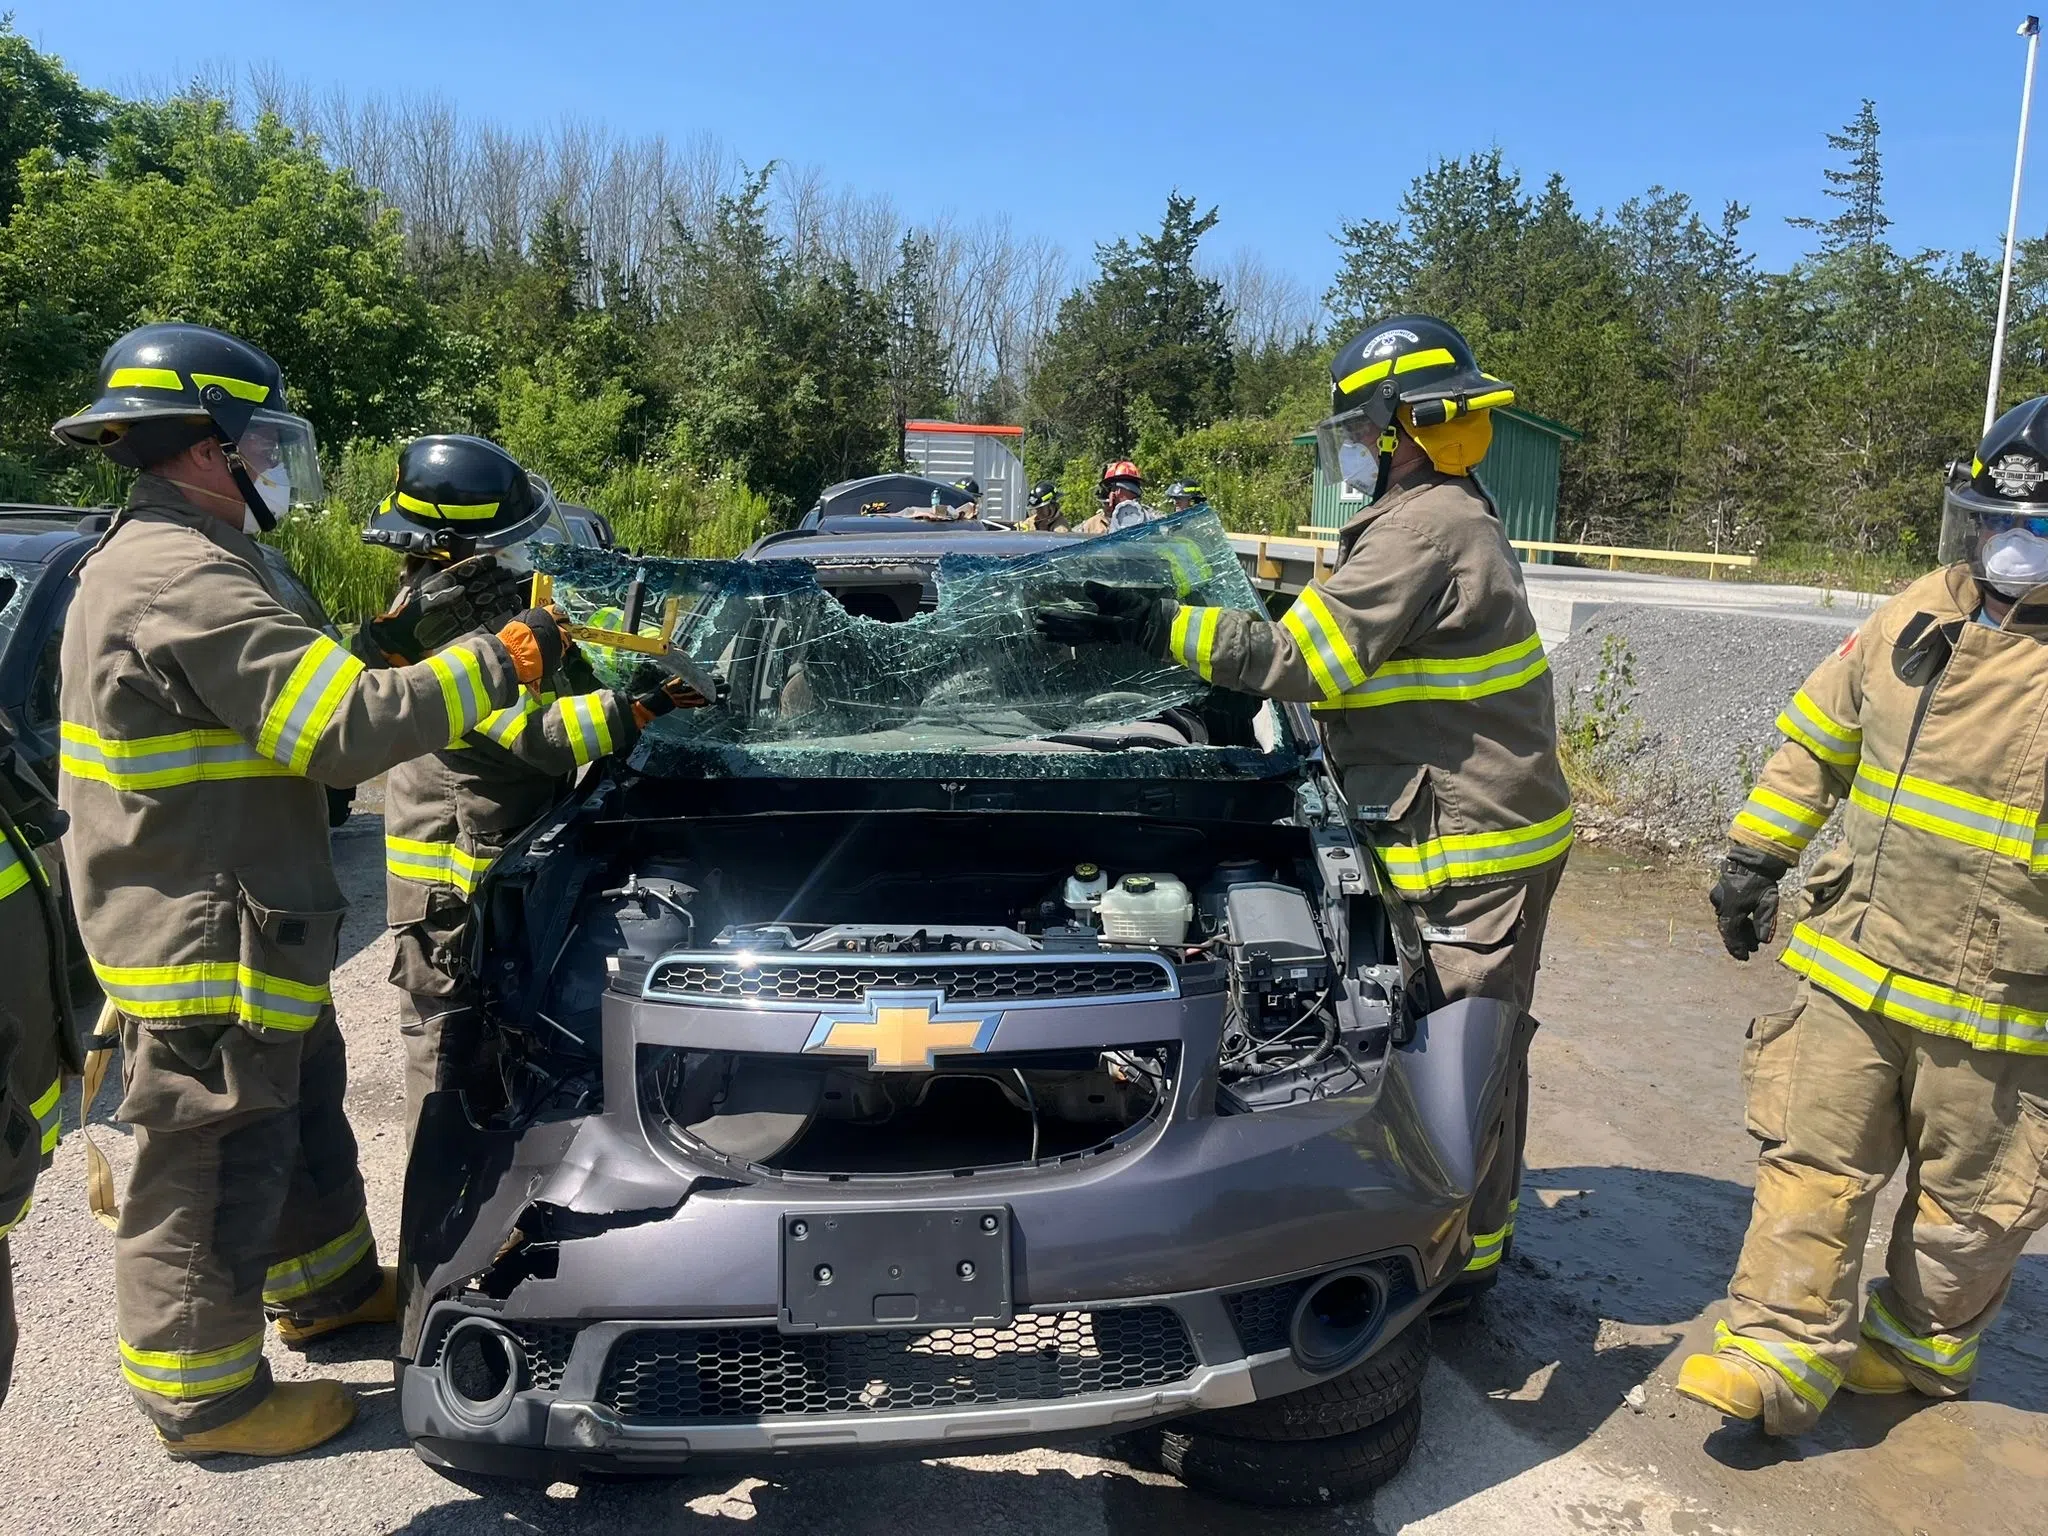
{"x": 1873, "y": 1375}
{"x": 1722, "y": 1385}
{"x": 297, "y": 1416}
{"x": 382, "y": 1307}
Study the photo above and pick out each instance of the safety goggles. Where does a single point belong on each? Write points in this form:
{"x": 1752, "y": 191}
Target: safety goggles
{"x": 2035, "y": 523}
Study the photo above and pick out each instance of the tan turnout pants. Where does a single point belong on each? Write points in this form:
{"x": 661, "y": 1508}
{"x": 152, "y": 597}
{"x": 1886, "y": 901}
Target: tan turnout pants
{"x": 1836, "y": 1094}
{"x": 1487, "y": 941}
{"x": 245, "y": 1200}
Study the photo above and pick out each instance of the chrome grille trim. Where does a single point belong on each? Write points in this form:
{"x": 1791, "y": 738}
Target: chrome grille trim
{"x": 798, "y": 982}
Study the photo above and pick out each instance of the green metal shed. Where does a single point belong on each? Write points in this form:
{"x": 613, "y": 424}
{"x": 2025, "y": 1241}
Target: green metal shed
{"x": 1519, "y": 472}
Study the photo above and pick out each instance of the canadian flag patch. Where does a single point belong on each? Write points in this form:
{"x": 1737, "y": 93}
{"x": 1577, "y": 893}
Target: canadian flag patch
{"x": 1847, "y": 645}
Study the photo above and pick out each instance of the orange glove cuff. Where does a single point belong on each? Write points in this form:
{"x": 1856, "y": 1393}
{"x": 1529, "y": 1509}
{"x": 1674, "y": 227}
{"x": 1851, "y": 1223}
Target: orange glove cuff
{"x": 641, "y": 714}
{"x": 524, "y": 648}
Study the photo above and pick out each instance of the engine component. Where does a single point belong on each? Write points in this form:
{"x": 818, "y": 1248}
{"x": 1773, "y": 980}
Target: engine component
{"x": 1274, "y": 939}
{"x": 1145, "y": 909}
{"x": 1281, "y": 1031}
{"x": 653, "y": 914}
{"x": 1083, "y": 892}
{"x": 1225, "y": 878}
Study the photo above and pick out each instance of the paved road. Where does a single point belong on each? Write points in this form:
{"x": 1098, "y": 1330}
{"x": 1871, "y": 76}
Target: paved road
{"x": 1638, "y": 1198}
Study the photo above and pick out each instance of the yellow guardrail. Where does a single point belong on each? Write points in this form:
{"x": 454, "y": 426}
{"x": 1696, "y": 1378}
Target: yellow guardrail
{"x": 1615, "y": 553}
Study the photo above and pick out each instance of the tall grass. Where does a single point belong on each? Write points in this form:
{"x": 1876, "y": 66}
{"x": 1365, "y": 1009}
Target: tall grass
{"x": 672, "y": 510}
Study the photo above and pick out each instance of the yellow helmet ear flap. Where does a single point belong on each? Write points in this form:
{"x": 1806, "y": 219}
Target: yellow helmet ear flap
{"x": 1456, "y": 445}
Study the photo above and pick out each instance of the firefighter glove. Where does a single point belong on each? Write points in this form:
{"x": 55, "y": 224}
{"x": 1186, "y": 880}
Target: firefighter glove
{"x": 1745, "y": 899}
{"x": 537, "y": 639}
{"x": 443, "y": 606}
{"x": 669, "y": 693}
{"x": 1100, "y": 614}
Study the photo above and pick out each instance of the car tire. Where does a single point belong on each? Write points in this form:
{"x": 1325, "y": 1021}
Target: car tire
{"x": 1362, "y": 1396}
{"x": 1294, "y": 1474}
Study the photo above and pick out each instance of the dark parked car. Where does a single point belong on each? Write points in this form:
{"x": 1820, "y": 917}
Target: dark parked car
{"x": 946, "y": 1040}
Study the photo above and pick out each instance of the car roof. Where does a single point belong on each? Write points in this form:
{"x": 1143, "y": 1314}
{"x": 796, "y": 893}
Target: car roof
{"x": 30, "y": 534}
{"x": 909, "y": 542}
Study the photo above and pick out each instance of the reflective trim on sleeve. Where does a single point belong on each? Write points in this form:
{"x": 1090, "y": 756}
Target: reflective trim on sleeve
{"x": 1949, "y": 1354}
{"x": 461, "y": 675}
{"x": 1448, "y": 678}
{"x": 292, "y": 1279}
{"x": 304, "y": 710}
{"x": 1819, "y": 732}
{"x": 160, "y": 762}
{"x": 13, "y": 873}
{"x": 1331, "y": 660}
{"x": 1803, "y": 1370}
{"x": 1951, "y": 813}
{"x": 583, "y": 719}
{"x": 1189, "y": 565}
{"x": 1418, "y": 869}
{"x": 184, "y": 1374}
{"x": 1837, "y": 969}
{"x": 48, "y": 1111}
{"x": 1192, "y": 639}
{"x": 208, "y": 989}
{"x": 505, "y": 726}
{"x": 434, "y": 863}
{"x": 18, "y": 1217}
{"x": 1779, "y": 820}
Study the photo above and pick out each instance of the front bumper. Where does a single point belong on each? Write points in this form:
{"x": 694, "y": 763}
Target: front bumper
{"x": 587, "y": 1234}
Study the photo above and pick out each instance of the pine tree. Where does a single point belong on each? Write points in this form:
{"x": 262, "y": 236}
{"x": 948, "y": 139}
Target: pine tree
{"x": 1859, "y": 189}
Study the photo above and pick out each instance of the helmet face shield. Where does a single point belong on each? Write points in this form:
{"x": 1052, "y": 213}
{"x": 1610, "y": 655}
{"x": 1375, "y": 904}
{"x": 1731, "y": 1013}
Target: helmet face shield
{"x": 283, "y": 459}
{"x": 1348, "y": 446}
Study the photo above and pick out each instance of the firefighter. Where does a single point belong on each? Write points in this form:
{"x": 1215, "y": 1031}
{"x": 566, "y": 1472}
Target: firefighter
{"x": 38, "y": 1042}
{"x": 1186, "y": 496}
{"x": 447, "y": 814}
{"x": 1422, "y": 662}
{"x": 201, "y": 716}
{"x": 1043, "y": 506}
{"x": 1119, "y": 491}
{"x": 1920, "y": 1025}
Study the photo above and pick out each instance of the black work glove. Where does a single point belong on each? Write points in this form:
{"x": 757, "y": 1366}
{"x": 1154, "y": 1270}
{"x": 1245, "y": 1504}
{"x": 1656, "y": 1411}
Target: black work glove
{"x": 1745, "y": 899}
{"x": 654, "y": 693}
{"x": 1100, "y": 614}
{"x": 537, "y": 638}
{"x": 444, "y": 605}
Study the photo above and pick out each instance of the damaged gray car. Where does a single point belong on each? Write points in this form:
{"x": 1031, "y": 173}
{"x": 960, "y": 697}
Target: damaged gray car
{"x": 943, "y": 1041}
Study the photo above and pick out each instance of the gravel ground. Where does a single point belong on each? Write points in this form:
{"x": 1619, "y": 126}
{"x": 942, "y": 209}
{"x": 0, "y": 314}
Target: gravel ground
{"x": 1682, "y": 708}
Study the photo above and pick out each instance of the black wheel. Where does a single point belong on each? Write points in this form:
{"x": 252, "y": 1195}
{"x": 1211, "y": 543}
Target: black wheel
{"x": 1361, "y": 1396}
{"x": 1294, "y": 1474}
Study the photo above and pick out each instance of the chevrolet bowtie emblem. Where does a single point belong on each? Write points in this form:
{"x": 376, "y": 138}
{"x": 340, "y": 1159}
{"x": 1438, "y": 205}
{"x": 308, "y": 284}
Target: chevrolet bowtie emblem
{"x": 903, "y": 1031}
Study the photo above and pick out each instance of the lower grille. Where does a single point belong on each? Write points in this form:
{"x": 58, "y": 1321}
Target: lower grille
{"x": 544, "y": 1347}
{"x": 678, "y": 1376}
{"x": 1261, "y": 1316}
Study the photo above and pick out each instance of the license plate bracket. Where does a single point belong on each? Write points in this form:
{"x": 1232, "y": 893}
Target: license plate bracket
{"x": 863, "y": 1270}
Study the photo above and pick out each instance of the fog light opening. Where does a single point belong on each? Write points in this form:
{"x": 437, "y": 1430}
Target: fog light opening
{"x": 1337, "y": 1319}
{"x": 480, "y": 1367}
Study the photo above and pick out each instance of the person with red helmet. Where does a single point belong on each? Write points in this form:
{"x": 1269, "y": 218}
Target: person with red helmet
{"x": 1118, "y": 490}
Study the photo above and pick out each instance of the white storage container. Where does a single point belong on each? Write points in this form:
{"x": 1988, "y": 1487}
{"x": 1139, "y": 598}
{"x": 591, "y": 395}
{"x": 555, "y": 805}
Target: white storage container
{"x": 1145, "y": 909}
{"x": 1084, "y": 889}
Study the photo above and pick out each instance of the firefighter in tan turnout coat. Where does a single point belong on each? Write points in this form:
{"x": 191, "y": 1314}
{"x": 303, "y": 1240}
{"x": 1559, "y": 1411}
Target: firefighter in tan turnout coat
{"x": 1425, "y": 671}
{"x": 447, "y": 815}
{"x": 1920, "y": 1026}
{"x": 201, "y": 715}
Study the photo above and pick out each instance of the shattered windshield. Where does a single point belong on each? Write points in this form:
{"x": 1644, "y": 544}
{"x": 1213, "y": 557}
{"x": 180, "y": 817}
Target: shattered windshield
{"x": 920, "y": 659}
{"x": 14, "y": 585}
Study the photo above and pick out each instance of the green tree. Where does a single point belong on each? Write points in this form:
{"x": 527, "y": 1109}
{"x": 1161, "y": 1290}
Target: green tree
{"x": 42, "y": 106}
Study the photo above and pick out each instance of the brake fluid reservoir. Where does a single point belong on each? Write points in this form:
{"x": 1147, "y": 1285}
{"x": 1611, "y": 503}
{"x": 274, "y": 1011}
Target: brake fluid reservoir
{"x": 1084, "y": 889}
{"x": 1145, "y": 909}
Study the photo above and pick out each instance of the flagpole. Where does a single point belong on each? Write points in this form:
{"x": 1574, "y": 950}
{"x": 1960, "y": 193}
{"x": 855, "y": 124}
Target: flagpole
{"x": 2030, "y": 29}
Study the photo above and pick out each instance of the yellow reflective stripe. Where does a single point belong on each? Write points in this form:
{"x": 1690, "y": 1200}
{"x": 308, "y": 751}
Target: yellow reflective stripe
{"x": 1448, "y": 679}
{"x": 434, "y": 863}
{"x": 1854, "y": 977}
{"x": 1487, "y": 1248}
{"x": 1801, "y": 1368}
{"x": 456, "y": 510}
{"x": 1780, "y": 820}
{"x": 1320, "y": 639}
{"x": 241, "y": 389}
{"x": 461, "y": 676}
{"x": 48, "y": 1113}
{"x": 13, "y": 873}
{"x": 504, "y": 726}
{"x": 1420, "y": 868}
{"x": 145, "y": 378}
{"x": 1492, "y": 398}
{"x": 310, "y": 1272}
{"x": 597, "y": 727}
{"x": 1192, "y": 638}
{"x": 303, "y": 711}
{"x": 18, "y": 1217}
{"x": 192, "y": 1373}
{"x": 1961, "y": 817}
{"x": 1950, "y": 1354}
{"x": 1371, "y": 373}
{"x": 1819, "y": 732}
{"x": 159, "y": 762}
{"x": 210, "y": 988}
{"x": 1428, "y": 357}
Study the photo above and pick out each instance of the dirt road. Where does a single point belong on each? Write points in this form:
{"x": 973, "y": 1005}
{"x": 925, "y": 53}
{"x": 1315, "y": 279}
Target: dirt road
{"x": 1637, "y": 1200}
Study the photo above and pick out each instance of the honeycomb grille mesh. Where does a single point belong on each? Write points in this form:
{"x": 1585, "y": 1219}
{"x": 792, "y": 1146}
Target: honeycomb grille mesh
{"x": 544, "y": 1346}
{"x": 1261, "y": 1316}
{"x": 849, "y": 981}
{"x": 683, "y": 1376}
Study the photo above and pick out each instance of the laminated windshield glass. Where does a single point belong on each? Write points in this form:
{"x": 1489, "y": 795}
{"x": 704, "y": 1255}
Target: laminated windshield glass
{"x": 872, "y": 662}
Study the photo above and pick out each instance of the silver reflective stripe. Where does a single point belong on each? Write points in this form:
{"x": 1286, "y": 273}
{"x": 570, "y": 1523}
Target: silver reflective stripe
{"x": 1802, "y": 1368}
{"x": 310, "y": 1272}
{"x": 312, "y": 705}
{"x": 196, "y": 755}
{"x": 49, "y": 1113}
{"x": 191, "y": 1373}
{"x": 1835, "y": 967}
{"x": 1947, "y": 1354}
{"x": 1517, "y": 664}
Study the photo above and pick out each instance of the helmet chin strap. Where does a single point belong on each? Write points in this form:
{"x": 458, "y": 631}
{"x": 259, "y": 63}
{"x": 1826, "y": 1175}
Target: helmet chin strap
{"x": 230, "y": 417}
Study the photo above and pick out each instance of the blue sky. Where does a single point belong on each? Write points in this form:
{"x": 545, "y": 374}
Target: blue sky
{"x": 1078, "y": 118}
